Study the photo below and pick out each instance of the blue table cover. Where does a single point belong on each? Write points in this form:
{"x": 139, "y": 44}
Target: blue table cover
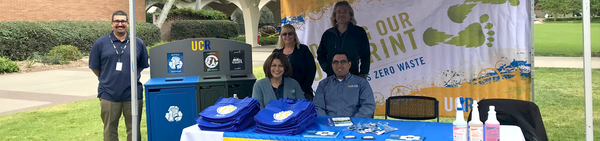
{"x": 432, "y": 131}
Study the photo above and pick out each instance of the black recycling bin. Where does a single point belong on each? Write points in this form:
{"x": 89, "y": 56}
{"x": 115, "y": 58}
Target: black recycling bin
{"x": 211, "y": 88}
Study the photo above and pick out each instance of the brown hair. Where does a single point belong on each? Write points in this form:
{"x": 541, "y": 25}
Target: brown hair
{"x": 280, "y": 43}
{"x": 287, "y": 67}
{"x": 350, "y": 10}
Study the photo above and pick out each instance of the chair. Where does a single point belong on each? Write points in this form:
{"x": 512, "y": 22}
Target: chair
{"x": 412, "y": 107}
{"x": 524, "y": 114}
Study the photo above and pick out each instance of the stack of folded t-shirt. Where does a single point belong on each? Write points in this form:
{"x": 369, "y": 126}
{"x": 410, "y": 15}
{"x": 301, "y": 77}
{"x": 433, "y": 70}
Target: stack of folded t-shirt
{"x": 285, "y": 116}
{"x": 229, "y": 115}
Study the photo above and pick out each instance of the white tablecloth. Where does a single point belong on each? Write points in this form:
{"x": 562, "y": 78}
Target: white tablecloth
{"x": 193, "y": 133}
{"x": 511, "y": 133}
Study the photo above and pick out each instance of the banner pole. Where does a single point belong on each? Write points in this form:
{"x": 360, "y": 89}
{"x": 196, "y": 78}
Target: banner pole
{"x": 532, "y": 48}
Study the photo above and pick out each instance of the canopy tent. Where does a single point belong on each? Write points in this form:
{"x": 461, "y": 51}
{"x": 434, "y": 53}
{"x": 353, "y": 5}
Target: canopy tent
{"x": 250, "y": 8}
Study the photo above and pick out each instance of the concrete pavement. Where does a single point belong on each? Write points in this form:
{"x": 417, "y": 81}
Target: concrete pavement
{"x": 564, "y": 62}
{"x": 21, "y": 92}
{"x": 260, "y": 54}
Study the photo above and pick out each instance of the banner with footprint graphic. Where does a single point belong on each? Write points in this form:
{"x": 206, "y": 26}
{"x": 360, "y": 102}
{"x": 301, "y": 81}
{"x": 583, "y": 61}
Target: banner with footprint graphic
{"x": 478, "y": 49}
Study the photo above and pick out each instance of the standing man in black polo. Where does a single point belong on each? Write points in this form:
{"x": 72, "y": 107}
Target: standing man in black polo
{"x": 110, "y": 61}
{"x": 345, "y": 36}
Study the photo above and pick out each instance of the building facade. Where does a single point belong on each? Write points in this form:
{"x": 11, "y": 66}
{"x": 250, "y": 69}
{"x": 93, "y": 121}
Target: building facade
{"x": 58, "y": 10}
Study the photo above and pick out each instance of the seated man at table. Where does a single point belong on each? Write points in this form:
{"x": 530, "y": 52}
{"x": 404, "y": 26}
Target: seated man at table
{"x": 344, "y": 94}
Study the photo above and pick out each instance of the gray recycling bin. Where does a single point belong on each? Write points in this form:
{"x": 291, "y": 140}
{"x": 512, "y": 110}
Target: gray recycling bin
{"x": 189, "y": 75}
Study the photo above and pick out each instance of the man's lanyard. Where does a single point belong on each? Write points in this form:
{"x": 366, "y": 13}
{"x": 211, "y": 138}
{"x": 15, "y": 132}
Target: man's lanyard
{"x": 122, "y": 50}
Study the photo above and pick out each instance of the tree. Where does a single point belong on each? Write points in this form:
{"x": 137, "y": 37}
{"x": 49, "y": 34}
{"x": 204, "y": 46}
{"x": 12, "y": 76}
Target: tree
{"x": 266, "y": 16}
{"x": 594, "y": 8}
{"x": 164, "y": 13}
{"x": 555, "y": 7}
{"x": 568, "y": 7}
{"x": 574, "y": 7}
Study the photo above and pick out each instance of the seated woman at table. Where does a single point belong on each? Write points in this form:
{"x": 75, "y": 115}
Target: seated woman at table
{"x": 277, "y": 83}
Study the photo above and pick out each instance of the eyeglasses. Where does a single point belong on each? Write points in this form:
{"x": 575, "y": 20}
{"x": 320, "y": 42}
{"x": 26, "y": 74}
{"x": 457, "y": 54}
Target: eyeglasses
{"x": 120, "y": 22}
{"x": 288, "y": 34}
{"x": 343, "y": 62}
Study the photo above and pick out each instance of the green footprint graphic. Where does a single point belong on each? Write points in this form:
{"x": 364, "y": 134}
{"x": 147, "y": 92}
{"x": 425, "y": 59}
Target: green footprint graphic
{"x": 433, "y": 37}
{"x": 458, "y": 13}
{"x": 472, "y": 36}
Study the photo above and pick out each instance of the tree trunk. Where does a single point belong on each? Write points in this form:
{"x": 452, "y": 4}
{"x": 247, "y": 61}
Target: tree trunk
{"x": 164, "y": 13}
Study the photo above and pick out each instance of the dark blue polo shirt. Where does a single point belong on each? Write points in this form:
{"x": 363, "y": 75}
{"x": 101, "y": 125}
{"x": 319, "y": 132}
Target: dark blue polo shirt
{"x": 279, "y": 90}
{"x": 116, "y": 85}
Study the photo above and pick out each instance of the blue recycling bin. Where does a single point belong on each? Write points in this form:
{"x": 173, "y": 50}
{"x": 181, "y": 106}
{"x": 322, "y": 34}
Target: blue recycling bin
{"x": 170, "y": 106}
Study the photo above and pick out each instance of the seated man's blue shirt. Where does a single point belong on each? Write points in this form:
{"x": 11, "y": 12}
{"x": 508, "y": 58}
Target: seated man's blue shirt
{"x": 116, "y": 85}
{"x": 350, "y": 97}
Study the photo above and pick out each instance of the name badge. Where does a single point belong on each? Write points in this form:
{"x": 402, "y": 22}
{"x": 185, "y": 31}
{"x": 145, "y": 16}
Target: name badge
{"x": 119, "y": 66}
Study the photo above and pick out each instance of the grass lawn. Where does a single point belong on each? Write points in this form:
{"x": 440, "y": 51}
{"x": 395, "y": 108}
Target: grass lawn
{"x": 559, "y": 94}
{"x": 563, "y": 39}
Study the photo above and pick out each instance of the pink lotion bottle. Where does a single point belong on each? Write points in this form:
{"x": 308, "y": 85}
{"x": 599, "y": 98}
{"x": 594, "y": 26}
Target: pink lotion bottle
{"x": 492, "y": 126}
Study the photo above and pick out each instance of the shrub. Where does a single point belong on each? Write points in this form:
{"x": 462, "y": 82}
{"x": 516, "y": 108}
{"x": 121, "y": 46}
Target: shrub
{"x": 7, "y": 65}
{"x": 203, "y": 28}
{"x": 268, "y": 41}
{"x": 19, "y": 39}
{"x": 597, "y": 54}
{"x": 240, "y": 38}
{"x": 571, "y": 19}
{"x": 36, "y": 57}
{"x": 56, "y": 59}
{"x": 82, "y": 34}
{"x": 67, "y": 52}
{"x": 155, "y": 45}
{"x": 262, "y": 40}
{"x": 198, "y": 14}
{"x": 149, "y": 33}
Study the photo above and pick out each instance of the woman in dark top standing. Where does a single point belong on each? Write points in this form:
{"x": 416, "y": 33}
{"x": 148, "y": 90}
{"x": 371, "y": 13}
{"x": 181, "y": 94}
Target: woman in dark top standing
{"x": 302, "y": 60}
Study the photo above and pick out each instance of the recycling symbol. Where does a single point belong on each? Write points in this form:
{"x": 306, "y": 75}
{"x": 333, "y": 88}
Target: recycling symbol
{"x": 174, "y": 114}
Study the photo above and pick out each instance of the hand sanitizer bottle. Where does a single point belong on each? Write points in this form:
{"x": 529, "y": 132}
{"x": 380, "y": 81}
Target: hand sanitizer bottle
{"x": 492, "y": 126}
{"x": 460, "y": 125}
{"x": 475, "y": 125}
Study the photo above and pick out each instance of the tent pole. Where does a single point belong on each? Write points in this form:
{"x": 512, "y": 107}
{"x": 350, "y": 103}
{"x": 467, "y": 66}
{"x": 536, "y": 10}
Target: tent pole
{"x": 133, "y": 65}
{"x": 587, "y": 71}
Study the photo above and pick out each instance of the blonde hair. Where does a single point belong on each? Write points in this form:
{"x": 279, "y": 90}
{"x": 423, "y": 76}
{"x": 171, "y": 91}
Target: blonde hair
{"x": 281, "y": 44}
{"x": 342, "y": 3}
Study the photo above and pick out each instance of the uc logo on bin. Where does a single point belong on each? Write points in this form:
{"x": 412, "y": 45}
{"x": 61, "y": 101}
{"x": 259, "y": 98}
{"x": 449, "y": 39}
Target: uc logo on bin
{"x": 200, "y": 45}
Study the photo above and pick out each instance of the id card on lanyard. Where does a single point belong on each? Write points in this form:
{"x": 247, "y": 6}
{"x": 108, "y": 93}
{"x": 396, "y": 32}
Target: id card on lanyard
{"x": 119, "y": 66}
